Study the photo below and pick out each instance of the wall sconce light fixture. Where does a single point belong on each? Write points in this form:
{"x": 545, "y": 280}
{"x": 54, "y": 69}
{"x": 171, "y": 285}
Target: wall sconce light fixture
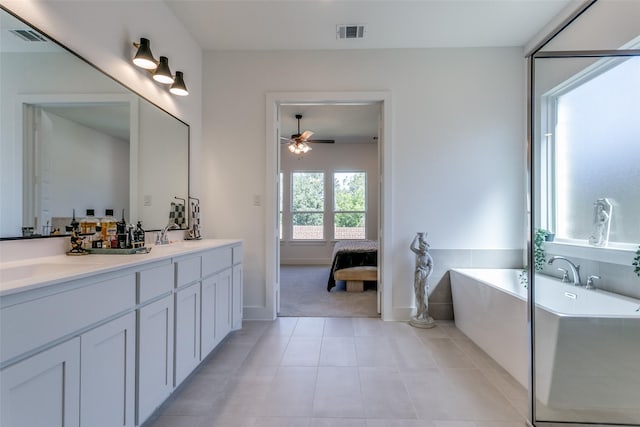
{"x": 163, "y": 73}
{"x": 178, "y": 87}
{"x": 144, "y": 58}
{"x": 159, "y": 69}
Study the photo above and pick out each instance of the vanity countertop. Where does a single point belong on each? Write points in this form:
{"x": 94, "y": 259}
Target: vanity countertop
{"x": 34, "y": 273}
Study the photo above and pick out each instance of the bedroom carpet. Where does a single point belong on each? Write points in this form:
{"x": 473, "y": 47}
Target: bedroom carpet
{"x": 303, "y": 293}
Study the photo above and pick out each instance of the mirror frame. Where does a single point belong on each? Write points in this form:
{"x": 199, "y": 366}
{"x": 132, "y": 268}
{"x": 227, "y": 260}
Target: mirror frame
{"x": 133, "y": 93}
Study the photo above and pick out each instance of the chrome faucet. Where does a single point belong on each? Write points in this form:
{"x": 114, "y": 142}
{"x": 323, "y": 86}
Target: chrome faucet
{"x": 163, "y": 239}
{"x": 565, "y": 274}
{"x": 575, "y": 269}
{"x": 590, "y": 282}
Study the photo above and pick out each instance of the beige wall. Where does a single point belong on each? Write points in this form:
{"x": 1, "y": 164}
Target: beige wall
{"x": 457, "y": 148}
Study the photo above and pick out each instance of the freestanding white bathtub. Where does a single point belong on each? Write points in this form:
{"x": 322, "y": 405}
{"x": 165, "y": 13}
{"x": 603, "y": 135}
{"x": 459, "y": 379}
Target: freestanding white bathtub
{"x": 587, "y": 341}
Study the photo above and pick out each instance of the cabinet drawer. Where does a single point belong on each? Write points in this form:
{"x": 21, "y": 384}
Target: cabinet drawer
{"x": 155, "y": 281}
{"x": 237, "y": 254}
{"x": 35, "y": 323}
{"x": 215, "y": 261}
{"x": 187, "y": 270}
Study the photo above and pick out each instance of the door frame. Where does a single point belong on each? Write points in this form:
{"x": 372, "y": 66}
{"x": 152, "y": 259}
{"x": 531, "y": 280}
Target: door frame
{"x": 272, "y": 176}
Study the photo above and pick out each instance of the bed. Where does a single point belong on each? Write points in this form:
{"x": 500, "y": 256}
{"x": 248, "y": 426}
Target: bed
{"x": 352, "y": 253}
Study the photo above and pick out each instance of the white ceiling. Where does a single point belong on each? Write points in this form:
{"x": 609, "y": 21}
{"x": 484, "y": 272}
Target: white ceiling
{"x": 311, "y": 24}
{"x": 110, "y": 118}
{"x": 342, "y": 123}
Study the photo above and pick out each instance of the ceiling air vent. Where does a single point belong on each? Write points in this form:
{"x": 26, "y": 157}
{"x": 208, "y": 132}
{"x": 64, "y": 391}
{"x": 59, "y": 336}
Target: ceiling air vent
{"x": 350, "y": 32}
{"x": 28, "y": 35}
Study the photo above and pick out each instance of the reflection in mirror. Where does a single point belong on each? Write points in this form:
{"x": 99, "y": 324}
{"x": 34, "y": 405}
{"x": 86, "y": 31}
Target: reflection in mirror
{"x": 73, "y": 138}
{"x": 76, "y": 154}
{"x": 165, "y": 163}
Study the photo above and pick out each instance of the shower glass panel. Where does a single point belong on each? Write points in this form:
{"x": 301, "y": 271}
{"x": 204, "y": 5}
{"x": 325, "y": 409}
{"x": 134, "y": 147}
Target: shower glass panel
{"x": 585, "y": 140}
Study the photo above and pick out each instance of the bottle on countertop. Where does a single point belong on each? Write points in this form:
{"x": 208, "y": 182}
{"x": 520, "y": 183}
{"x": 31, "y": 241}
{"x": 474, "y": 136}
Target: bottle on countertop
{"x": 121, "y": 229}
{"x": 96, "y": 239}
{"x": 138, "y": 236}
{"x": 109, "y": 229}
{"x": 88, "y": 223}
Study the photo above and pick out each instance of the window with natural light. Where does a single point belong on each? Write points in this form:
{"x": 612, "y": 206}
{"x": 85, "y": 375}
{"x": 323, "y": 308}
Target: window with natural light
{"x": 597, "y": 153}
{"x": 349, "y": 205}
{"x": 307, "y": 205}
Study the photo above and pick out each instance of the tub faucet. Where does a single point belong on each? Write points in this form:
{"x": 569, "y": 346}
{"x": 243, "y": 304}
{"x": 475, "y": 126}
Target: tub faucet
{"x": 575, "y": 269}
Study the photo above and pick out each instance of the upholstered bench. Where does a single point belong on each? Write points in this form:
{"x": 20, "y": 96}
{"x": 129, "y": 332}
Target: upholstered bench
{"x": 356, "y": 276}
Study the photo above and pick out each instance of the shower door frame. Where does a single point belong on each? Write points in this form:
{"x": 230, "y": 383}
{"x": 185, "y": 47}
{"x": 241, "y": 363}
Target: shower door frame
{"x": 532, "y": 177}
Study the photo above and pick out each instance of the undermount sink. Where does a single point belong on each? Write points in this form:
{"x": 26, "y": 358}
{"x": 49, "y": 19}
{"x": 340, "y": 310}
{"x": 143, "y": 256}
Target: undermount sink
{"x": 40, "y": 269}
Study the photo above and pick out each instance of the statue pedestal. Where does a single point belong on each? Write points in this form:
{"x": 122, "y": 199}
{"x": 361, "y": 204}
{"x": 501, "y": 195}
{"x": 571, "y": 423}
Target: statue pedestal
{"x": 422, "y": 323}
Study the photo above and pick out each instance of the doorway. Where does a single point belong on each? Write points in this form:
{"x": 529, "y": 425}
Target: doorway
{"x": 275, "y": 102}
{"x": 328, "y": 199}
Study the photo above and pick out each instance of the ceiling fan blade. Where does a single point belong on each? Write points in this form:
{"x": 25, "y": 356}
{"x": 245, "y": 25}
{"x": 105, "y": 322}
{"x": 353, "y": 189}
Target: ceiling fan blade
{"x": 305, "y": 135}
{"x": 322, "y": 141}
{"x": 286, "y": 140}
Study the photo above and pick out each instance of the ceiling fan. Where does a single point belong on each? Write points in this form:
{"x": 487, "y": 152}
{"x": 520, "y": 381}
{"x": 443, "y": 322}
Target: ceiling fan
{"x": 298, "y": 143}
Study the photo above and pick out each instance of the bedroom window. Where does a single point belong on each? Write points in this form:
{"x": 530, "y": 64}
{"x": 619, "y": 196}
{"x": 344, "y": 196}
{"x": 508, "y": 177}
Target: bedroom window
{"x": 307, "y": 205}
{"x": 349, "y": 205}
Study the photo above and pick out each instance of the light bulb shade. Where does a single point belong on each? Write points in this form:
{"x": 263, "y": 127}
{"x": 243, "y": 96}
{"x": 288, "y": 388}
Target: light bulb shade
{"x": 178, "y": 87}
{"x": 299, "y": 147}
{"x": 144, "y": 58}
{"x": 163, "y": 73}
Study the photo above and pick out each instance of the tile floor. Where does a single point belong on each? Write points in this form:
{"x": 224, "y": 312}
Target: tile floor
{"x": 346, "y": 372}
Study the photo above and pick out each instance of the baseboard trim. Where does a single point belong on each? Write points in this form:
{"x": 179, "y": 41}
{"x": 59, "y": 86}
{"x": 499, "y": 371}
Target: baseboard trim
{"x": 257, "y": 313}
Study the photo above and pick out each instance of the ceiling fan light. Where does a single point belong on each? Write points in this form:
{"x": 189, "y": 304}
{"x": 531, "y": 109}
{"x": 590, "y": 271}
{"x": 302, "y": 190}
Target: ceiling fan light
{"x": 163, "y": 73}
{"x": 178, "y": 87}
{"x": 144, "y": 58}
{"x": 292, "y": 147}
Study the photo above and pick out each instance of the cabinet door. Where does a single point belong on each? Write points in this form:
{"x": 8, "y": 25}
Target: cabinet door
{"x": 43, "y": 390}
{"x": 223, "y": 304}
{"x": 187, "y": 326}
{"x": 236, "y": 298}
{"x": 207, "y": 316}
{"x": 108, "y": 374}
{"x": 155, "y": 356}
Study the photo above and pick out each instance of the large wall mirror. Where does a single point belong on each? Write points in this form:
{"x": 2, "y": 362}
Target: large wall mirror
{"x": 73, "y": 138}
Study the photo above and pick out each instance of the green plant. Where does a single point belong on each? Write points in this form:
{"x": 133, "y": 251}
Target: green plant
{"x": 636, "y": 262}
{"x": 539, "y": 257}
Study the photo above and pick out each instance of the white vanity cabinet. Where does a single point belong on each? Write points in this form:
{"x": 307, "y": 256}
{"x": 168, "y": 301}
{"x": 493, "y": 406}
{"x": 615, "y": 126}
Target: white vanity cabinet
{"x": 43, "y": 390}
{"x": 211, "y": 293}
{"x": 155, "y": 318}
{"x": 223, "y": 305}
{"x": 107, "y": 348}
{"x": 236, "y": 289}
{"x": 187, "y": 344}
{"x": 71, "y": 362}
{"x": 217, "y": 297}
{"x": 187, "y": 323}
{"x": 107, "y": 382}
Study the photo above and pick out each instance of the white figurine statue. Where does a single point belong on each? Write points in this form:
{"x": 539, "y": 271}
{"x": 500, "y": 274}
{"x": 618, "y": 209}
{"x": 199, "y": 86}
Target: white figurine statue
{"x": 424, "y": 267}
{"x": 602, "y": 210}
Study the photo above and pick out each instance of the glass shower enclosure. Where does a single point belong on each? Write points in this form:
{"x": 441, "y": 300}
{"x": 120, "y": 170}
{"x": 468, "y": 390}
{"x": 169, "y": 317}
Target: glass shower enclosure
{"x": 584, "y": 159}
